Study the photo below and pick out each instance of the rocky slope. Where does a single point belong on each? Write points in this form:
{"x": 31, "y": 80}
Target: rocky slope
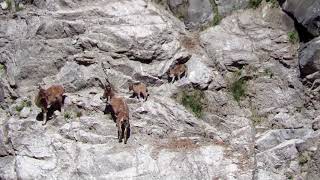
{"x": 260, "y": 116}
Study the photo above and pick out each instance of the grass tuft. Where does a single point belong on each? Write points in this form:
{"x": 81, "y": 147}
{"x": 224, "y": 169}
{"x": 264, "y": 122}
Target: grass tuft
{"x": 268, "y": 72}
{"x": 238, "y": 86}
{"x": 9, "y": 4}
{"x": 254, "y": 3}
{"x": 2, "y": 68}
{"x": 67, "y": 115}
{"x": 274, "y": 3}
{"x": 303, "y": 158}
{"x": 24, "y": 103}
{"x": 293, "y": 37}
{"x": 193, "y": 101}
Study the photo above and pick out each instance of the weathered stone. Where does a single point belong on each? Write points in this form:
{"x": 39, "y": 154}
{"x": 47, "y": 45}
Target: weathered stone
{"x": 309, "y": 55}
{"x": 79, "y": 44}
{"x": 194, "y": 13}
{"x": 25, "y": 112}
{"x": 306, "y": 13}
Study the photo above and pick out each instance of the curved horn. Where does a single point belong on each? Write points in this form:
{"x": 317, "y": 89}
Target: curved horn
{"x": 108, "y": 81}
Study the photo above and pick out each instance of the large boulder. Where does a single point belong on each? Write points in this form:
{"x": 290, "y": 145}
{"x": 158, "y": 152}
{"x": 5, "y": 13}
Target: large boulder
{"x": 307, "y": 13}
{"x": 309, "y": 57}
{"x": 195, "y": 13}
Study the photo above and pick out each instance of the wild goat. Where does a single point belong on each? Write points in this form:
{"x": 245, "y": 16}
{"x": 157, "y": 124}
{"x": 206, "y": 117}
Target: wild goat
{"x": 177, "y": 71}
{"x": 51, "y": 97}
{"x": 139, "y": 89}
{"x": 120, "y": 111}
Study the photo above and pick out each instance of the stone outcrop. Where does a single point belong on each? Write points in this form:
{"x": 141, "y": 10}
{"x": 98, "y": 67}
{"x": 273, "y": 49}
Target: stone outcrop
{"x": 270, "y": 132}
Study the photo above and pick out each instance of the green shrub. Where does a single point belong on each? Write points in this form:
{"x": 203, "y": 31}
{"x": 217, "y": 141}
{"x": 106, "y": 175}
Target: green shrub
{"x": 254, "y": 3}
{"x": 303, "y": 158}
{"x": 238, "y": 86}
{"x": 9, "y": 3}
{"x": 193, "y": 100}
{"x": 24, "y": 103}
{"x": 274, "y": 3}
{"x": 2, "y": 68}
{"x": 293, "y": 37}
{"x": 216, "y": 19}
{"x": 19, "y": 7}
{"x": 256, "y": 118}
{"x": 268, "y": 72}
{"x": 67, "y": 115}
{"x": 79, "y": 114}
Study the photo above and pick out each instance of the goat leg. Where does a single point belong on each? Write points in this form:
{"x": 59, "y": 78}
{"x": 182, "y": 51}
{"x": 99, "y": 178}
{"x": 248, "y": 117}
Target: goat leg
{"x": 119, "y": 132}
{"x": 126, "y": 134}
{"x": 45, "y": 116}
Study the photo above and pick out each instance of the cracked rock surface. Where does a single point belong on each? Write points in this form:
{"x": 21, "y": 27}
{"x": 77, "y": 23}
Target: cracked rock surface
{"x": 272, "y": 132}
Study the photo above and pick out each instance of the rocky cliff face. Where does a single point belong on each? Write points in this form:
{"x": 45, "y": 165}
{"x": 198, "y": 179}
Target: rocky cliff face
{"x": 247, "y": 109}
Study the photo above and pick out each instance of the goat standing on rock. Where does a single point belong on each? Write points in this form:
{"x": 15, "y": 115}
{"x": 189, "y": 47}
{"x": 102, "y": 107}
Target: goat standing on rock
{"x": 51, "y": 97}
{"x": 177, "y": 71}
{"x": 139, "y": 89}
{"x": 119, "y": 111}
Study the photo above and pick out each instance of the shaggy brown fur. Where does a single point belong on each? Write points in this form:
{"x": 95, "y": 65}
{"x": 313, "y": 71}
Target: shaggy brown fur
{"x": 121, "y": 112}
{"x": 53, "y": 96}
{"x": 139, "y": 89}
{"x": 177, "y": 71}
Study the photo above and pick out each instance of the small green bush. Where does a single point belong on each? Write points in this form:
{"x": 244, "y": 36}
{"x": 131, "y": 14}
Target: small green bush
{"x": 193, "y": 100}
{"x": 238, "y": 89}
{"x": 303, "y": 158}
{"x": 67, "y": 115}
{"x": 24, "y": 103}
{"x": 254, "y": 3}
{"x": 274, "y": 3}
{"x": 2, "y": 68}
{"x": 9, "y": 3}
{"x": 216, "y": 19}
{"x": 268, "y": 72}
{"x": 293, "y": 37}
{"x": 79, "y": 114}
{"x": 256, "y": 118}
{"x": 238, "y": 86}
{"x": 19, "y": 7}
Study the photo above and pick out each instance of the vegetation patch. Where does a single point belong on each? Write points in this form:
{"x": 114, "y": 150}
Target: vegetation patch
{"x": 79, "y": 114}
{"x": 256, "y": 118}
{"x": 9, "y": 4}
{"x": 19, "y": 7}
{"x": 217, "y": 17}
{"x": 274, "y": 3}
{"x": 24, "y": 103}
{"x": 293, "y": 37}
{"x": 67, "y": 115}
{"x": 193, "y": 100}
{"x": 254, "y": 3}
{"x": 268, "y": 72}
{"x": 238, "y": 86}
{"x": 303, "y": 158}
{"x": 2, "y": 68}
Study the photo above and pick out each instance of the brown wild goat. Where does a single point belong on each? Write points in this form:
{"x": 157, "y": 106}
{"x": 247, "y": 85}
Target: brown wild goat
{"x": 51, "y": 97}
{"x": 120, "y": 111}
{"x": 177, "y": 71}
{"x": 139, "y": 89}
